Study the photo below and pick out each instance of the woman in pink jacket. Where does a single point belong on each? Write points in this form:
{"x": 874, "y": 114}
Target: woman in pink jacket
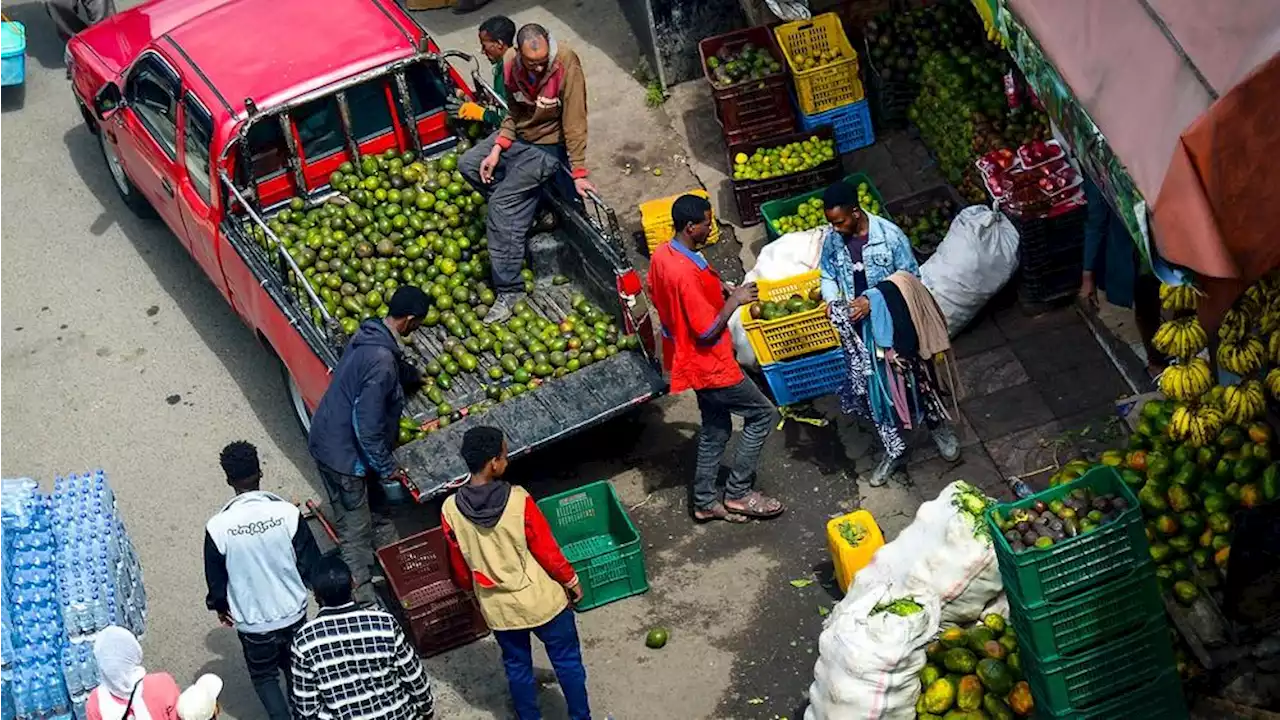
{"x": 127, "y": 691}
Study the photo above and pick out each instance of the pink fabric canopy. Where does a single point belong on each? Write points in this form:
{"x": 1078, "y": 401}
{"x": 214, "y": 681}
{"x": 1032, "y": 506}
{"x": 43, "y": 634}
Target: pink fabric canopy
{"x": 1187, "y": 94}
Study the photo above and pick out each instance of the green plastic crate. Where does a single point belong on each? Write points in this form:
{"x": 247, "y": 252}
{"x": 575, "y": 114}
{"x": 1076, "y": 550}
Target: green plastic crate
{"x": 1066, "y": 627}
{"x": 1159, "y": 699}
{"x": 599, "y": 540}
{"x": 1098, "y": 676}
{"x": 1036, "y": 576}
{"x": 775, "y": 209}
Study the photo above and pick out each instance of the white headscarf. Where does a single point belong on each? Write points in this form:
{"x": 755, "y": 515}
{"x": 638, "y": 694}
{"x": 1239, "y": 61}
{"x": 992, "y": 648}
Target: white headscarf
{"x": 119, "y": 659}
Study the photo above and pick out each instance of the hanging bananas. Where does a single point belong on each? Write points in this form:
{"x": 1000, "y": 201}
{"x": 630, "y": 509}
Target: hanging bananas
{"x": 1273, "y": 348}
{"x": 1187, "y": 381}
{"x": 1241, "y": 357}
{"x": 1182, "y": 337}
{"x": 1195, "y": 426}
{"x": 1273, "y": 383}
{"x": 1245, "y": 402}
{"x": 1235, "y": 325}
{"x": 1178, "y": 297}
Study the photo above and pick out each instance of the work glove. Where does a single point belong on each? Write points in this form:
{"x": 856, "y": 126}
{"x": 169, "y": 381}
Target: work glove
{"x": 464, "y": 109}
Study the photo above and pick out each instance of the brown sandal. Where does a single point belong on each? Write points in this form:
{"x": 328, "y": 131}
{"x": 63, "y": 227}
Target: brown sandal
{"x": 718, "y": 511}
{"x": 756, "y": 505}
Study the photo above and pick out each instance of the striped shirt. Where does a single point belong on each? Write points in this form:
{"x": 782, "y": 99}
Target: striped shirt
{"x": 351, "y": 663}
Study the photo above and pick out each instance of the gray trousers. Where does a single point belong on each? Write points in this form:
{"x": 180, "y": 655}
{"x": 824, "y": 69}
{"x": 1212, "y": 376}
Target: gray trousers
{"x": 718, "y": 406}
{"x": 513, "y": 202}
{"x": 361, "y": 527}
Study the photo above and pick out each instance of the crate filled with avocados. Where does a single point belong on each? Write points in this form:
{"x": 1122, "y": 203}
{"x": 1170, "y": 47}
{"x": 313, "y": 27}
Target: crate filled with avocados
{"x": 974, "y": 673}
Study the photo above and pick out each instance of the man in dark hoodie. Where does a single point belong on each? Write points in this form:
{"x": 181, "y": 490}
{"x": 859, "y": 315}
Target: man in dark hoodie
{"x": 354, "y": 431}
{"x": 501, "y": 546}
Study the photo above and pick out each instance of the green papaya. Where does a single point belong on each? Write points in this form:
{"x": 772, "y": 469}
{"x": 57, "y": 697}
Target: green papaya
{"x": 969, "y": 694}
{"x": 954, "y": 637}
{"x": 1270, "y": 484}
{"x": 1216, "y": 503}
{"x": 1158, "y": 465}
{"x": 1180, "y": 499}
{"x": 996, "y": 708}
{"x": 1182, "y": 544}
{"x": 1187, "y": 476}
{"x": 1009, "y": 642}
{"x": 1219, "y": 523}
{"x": 934, "y": 651}
{"x": 1132, "y": 478}
{"x": 1192, "y": 522}
{"x": 1206, "y": 458}
{"x": 1152, "y": 499}
{"x": 939, "y": 696}
{"x": 995, "y": 676}
{"x": 1231, "y": 437}
{"x": 978, "y": 638}
{"x": 928, "y": 674}
{"x": 960, "y": 660}
{"x": 1245, "y": 469}
{"x": 1184, "y": 454}
{"x": 995, "y": 621}
{"x": 1014, "y": 662}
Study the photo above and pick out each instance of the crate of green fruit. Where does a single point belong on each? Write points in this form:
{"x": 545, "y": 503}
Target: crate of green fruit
{"x": 804, "y": 212}
{"x": 781, "y": 167}
{"x": 1066, "y": 627}
{"x": 1068, "y": 539}
{"x": 1066, "y": 686}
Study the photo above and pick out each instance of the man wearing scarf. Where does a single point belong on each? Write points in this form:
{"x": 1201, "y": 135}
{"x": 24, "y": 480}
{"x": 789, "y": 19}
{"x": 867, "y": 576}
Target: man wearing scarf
{"x": 543, "y": 135}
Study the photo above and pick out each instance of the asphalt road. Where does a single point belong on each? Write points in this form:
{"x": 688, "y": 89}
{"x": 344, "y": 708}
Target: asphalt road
{"x": 119, "y": 354}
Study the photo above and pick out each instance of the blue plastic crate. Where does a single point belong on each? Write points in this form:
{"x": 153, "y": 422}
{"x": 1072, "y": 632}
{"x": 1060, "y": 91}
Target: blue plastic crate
{"x": 13, "y": 53}
{"x": 852, "y": 125}
{"x": 794, "y": 381}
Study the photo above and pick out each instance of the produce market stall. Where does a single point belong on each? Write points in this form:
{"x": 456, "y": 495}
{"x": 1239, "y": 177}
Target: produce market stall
{"x": 1169, "y": 106}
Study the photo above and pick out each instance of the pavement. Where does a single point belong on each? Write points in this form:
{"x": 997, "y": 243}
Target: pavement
{"x": 118, "y": 353}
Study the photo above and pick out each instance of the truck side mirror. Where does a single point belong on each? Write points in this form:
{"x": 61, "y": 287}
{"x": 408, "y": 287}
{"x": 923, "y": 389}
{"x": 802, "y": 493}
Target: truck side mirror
{"x": 107, "y": 101}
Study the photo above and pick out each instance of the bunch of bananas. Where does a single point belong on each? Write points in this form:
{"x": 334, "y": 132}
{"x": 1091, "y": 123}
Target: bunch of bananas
{"x": 1273, "y": 383}
{"x": 1196, "y": 426}
{"x": 1244, "y": 402}
{"x": 1178, "y": 297}
{"x": 1241, "y": 357}
{"x": 1186, "y": 381}
{"x": 1182, "y": 337}
{"x": 1235, "y": 324}
{"x": 1270, "y": 321}
{"x": 1273, "y": 348}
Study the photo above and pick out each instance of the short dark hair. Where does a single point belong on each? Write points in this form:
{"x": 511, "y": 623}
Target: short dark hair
{"x": 408, "y": 301}
{"x": 480, "y": 445}
{"x": 331, "y": 581}
{"x": 689, "y": 209}
{"x": 531, "y": 31}
{"x": 839, "y": 194}
{"x": 500, "y": 28}
{"x": 240, "y": 461}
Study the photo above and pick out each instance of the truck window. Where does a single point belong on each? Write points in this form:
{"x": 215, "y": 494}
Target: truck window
{"x": 267, "y": 148}
{"x": 370, "y": 113}
{"x": 425, "y": 93}
{"x": 197, "y": 131}
{"x": 319, "y": 127}
{"x": 152, "y": 91}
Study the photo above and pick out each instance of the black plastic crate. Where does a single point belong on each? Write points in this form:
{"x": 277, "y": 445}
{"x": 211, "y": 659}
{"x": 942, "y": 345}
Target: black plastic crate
{"x": 1049, "y": 286}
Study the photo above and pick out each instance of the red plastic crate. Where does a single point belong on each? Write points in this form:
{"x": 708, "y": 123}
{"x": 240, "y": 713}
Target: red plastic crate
{"x": 758, "y": 133}
{"x": 750, "y": 109}
{"x": 437, "y": 615}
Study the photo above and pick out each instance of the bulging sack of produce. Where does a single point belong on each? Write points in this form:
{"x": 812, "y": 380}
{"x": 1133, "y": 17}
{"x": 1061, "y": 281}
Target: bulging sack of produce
{"x": 975, "y": 259}
{"x": 869, "y": 654}
{"x": 790, "y": 254}
{"x": 946, "y": 551}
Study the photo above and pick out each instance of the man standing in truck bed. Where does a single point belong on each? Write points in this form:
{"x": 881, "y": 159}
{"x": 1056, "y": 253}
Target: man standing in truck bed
{"x": 545, "y": 127}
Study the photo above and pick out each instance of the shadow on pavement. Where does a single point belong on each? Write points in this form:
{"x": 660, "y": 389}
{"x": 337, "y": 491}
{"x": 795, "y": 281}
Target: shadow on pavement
{"x": 252, "y": 366}
{"x": 228, "y": 664}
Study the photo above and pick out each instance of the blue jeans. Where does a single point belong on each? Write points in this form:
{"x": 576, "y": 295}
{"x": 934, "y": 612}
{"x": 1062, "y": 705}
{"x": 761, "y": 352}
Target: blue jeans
{"x": 560, "y": 637}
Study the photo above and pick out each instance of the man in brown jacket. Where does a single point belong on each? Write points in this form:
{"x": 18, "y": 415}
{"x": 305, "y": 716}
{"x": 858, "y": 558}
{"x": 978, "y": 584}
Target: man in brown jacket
{"x": 544, "y": 131}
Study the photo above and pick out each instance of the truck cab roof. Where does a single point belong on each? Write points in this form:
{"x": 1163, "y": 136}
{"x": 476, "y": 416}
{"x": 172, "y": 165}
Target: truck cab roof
{"x": 268, "y": 51}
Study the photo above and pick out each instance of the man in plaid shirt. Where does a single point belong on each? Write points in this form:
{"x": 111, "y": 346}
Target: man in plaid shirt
{"x": 352, "y": 663}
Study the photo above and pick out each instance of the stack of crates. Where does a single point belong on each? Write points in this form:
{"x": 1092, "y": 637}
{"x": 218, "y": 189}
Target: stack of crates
{"x": 599, "y": 540}
{"x": 437, "y": 615}
{"x": 748, "y": 110}
{"x": 655, "y": 218}
{"x": 799, "y": 353}
{"x": 1088, "y": 613}
{"x": 828, "y": 93}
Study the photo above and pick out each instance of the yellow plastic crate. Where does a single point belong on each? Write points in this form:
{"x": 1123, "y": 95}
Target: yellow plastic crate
{"x": 794, "y": 335}
{"x": 848, "y": 560}
{"x": 655, "y": 217}
{"x": 828, "y": 86}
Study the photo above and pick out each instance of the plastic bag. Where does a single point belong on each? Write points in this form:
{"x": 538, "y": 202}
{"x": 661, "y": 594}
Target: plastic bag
{"x": 946, "y": 551}
{"x": 975, "y": 259}
{"x": 868, "y": 661}
{"x": 790, "y": 254}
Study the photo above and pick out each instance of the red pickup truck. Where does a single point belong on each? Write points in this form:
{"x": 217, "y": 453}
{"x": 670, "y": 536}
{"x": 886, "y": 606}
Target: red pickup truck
{"x": 215, "y": 115}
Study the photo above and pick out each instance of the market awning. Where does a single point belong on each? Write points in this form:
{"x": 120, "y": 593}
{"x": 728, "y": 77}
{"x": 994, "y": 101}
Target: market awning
{"x": 1185, "y": 94}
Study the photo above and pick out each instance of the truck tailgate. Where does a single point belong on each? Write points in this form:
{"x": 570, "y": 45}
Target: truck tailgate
{"x": 554, "y": 410}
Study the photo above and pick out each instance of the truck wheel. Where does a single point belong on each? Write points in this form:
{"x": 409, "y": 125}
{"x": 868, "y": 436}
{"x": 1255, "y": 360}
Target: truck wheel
{"x": 300, "y": 412}
{"x": 128, "y": 191}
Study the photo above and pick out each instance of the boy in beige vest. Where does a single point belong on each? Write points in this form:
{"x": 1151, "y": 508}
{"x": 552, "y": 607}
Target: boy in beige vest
{"x": 500, "y": 546}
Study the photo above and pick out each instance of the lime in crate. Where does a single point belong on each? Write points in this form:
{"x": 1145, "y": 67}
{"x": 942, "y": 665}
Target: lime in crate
{"x": 781, "y": 167}
{"x": 805, "y": 211}
{"x": 789, "y": 320}
{"x": 599, "y": 540}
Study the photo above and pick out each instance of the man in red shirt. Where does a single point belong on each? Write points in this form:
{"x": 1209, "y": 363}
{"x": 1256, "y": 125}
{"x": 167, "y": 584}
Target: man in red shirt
{"x": 698, "y": 354}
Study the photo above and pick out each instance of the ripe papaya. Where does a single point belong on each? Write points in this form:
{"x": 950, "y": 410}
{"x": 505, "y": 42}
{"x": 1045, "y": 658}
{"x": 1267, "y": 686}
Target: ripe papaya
{"x": 1020, "y": 701}
{"x": 969, "y": 694}
{"x": 954, "y": 637}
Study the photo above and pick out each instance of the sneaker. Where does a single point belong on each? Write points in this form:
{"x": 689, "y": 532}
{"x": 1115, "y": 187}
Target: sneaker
{"x": 944, "y": 437}
{"x": 883, "y": 472}
{"x": 502, "y": 308}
